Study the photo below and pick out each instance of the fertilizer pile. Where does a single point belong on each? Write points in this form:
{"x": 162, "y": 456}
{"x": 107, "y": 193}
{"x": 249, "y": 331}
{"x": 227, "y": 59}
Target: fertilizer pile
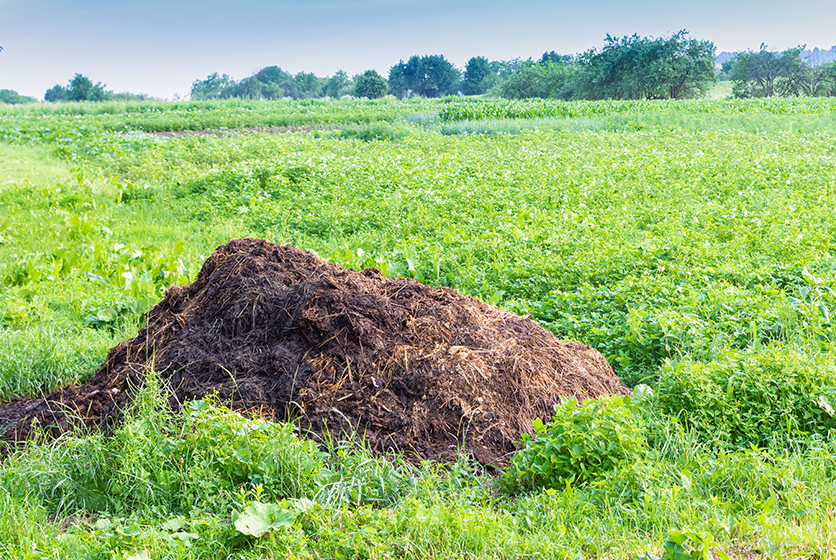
{"x": 414, "y": 368}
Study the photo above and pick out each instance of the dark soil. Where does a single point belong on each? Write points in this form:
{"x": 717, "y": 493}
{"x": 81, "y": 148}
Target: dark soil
{"x": 410, "y": 367}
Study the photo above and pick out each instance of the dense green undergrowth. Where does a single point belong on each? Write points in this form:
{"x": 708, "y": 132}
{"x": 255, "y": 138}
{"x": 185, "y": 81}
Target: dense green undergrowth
{"x": 691, "y": 243}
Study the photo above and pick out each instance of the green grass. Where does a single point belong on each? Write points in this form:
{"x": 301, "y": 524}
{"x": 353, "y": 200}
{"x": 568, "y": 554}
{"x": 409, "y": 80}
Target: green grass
{"x": 692, "y": 243}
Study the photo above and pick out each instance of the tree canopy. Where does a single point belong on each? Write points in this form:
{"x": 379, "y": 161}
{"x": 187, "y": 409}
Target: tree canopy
{"x": 11, "y": 97}
{"x": 636, "y": 67}
{"x": 370, "y": 84}
{"x": 429, "y": 75}
{"x": 768, "y": 73}
{"x": 479, "y": 76}
{"x": 80, "y": 88}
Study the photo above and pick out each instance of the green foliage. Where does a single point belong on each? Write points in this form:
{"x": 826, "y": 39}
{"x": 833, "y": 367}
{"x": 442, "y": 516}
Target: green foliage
{"x": 750, "y": 399}
{"x": 687, "y": 545}
{"x": 824, "y": 80}
{"x": 767, "y": 73}
{"x": 379, "y": 131}
{"x": 428, "y": 75}
{"x": 581, "y": 444}
{"x": 634, "y": 67}
{"x": 478, "y": 76}
{"x": 110, "y": 315}
{"x": 257, "y": 519}
{"x": 204, "y": 455}
{"x": 12, "y": 97}
{"x": 338, "y": 85}
{"x": 213, "y": 87}
{"x": 80, "y": 88}
{"x": 549, "y": 79}
{"x": 370, "y": 85}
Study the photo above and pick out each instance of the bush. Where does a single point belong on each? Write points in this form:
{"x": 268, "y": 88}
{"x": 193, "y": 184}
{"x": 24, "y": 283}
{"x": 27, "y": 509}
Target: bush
{"x": 750, "y": 398}
{"x": 582, "y": 443}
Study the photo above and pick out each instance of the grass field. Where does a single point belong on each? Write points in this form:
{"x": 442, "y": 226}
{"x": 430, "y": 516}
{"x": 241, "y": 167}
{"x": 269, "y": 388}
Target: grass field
{"x": 692, "y": 243}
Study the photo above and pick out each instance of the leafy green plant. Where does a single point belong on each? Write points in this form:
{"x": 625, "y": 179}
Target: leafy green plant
{"x": 581, "y": 443}
{"x": 687, "y": 544}
{"x": 750, "y": 398}
{"x": 109, "y": 315}
{"x": 258, "y": 518}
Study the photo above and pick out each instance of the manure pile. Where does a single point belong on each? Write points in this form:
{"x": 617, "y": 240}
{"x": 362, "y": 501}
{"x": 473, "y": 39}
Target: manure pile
{"x": 418, "y": 369}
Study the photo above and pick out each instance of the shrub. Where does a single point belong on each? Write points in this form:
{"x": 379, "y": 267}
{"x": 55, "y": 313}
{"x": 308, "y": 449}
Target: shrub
{"x": 581, "y": 444}
{"x": 750, "y": 398}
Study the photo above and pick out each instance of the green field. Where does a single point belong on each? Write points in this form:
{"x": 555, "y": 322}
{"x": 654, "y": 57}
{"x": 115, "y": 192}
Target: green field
{"x": 693, "y": 243}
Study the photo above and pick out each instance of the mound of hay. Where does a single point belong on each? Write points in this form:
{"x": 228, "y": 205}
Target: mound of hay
{"x": 410, "y": 367}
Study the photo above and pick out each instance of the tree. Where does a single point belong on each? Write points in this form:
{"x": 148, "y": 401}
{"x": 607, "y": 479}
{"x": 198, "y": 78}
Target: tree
{"x": 554, "y": 80}
{"x": 370, "y": 84}
{"x": 824, "y": 80}
{"x": 725, "y": 70}
{"x": 643, "y": 68}
{"x": 248, "y": 88}
{"x": 275, "y": 82}
{"x": 12, "y": 97}
{"x": 338, "y": 85}
{"x": 797, "y": 75}
{"x": 479, "y": 76}
{"x": 213, "y": 87}
{"x": 552, "y": 56}
{"x": 429, "y": 75}
{"x": 307, "y": 85}
{"x": 768, "y": 73}
{"x": 80, "y": 88}
{"x": 56, "y": 94}
{"x": 398, "y": 81}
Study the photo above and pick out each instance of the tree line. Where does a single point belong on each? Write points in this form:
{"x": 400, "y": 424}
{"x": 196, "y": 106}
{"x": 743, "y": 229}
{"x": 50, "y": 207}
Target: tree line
{"x": 629, "y": 67}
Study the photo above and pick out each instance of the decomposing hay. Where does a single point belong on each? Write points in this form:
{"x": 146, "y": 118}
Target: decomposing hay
{"x": 407, "y": 366}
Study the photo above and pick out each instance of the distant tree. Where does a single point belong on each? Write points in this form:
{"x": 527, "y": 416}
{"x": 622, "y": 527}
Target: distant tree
{"x": 370, "y": 84}
{"x": 12, "y": 97}
{"x": 768, "y": 73}
{"x": 83, "y": 89}
{"x": 276, "y": 83}
{"x": 398, "y": 80}
{"x": 80, "y": 88}
{"x": 128, "y": 96}
{"x": 554, "y": 80}
{"x": 429, "y": 75}
{"x": 824, "y": 80}
{"x": 797, "y": 75}
{"x": 248, "y": 88}
{"x": 552, "y": 56}
{"x": 479, "y": 76}
{"x": 307, "y": 85}
{"x": 505, "y": 68}
{"x": 643, "y": 68}
{"x": 338, "y": 85}
{"x": 57, "y": 93}
{"x": 213, "y": 87}
{"x": 725, "y": 70}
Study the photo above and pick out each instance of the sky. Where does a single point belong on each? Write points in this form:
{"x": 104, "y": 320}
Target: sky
{"x": 160, "y": 47}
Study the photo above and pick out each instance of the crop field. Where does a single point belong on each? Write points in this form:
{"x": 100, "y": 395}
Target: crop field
{"x": 692, "y": 243}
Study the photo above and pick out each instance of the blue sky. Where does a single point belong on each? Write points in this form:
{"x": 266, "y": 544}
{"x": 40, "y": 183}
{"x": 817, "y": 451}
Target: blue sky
{"x": 160, "y": 47}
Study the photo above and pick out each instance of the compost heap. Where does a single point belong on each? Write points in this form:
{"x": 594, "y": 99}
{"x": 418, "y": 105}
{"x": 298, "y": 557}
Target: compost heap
{"x": 409, "y": 367}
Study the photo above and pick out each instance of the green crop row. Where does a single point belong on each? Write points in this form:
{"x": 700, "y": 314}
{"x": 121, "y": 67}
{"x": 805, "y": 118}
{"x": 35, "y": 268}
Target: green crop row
{"x": 575, "y": 109}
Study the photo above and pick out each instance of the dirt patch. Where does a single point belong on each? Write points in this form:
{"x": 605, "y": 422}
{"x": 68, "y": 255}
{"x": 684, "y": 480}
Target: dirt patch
{"x": 419, "y": 369}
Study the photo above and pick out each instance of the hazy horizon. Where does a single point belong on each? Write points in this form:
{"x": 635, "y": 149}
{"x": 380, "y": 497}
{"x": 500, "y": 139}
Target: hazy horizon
{"x": 160, "y": 48}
